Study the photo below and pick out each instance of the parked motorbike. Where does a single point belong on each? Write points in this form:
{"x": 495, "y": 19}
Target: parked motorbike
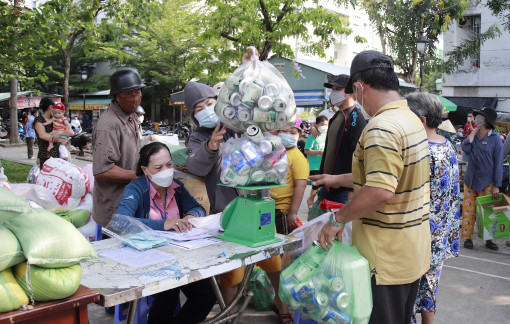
{"x": 182, "y": 130}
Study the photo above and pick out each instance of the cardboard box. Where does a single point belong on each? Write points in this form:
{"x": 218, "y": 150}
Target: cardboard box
{"x": 196, "y": 188}
{"x": 493, "y": 217}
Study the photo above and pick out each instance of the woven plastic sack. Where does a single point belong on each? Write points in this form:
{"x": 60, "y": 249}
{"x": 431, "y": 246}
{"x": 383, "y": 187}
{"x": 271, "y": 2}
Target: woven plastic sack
{"x": 48, "y": 284}
{"x": 68, "y": 183}
{"x": 38, "y": 194}
{"x": 263, "y": 291}
{"x": 179, "y": 155}
{"x": 12, "y": 296}
{"x": 49, "y": 241}
{"x": 252, "y": 163}
{"x": 133, "y": 233}
{"x": 256, "y": 94}
{"x": 81, "y": 215}
{"x": 10, "y": 249}
{"x": 338, "y": 290}
{"x": 34, "y": 172}
{"x": 11, "y": 205}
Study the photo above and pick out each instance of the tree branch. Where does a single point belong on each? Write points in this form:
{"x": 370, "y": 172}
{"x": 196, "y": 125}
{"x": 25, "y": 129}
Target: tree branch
{"x": 227, "y": 36}
{"x": 285, "y": 10}
{"x": 269, "y": 28}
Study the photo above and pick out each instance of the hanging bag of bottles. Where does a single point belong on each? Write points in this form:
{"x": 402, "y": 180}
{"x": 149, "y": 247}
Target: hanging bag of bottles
{"x": 329, "y": 287}
{"x": 256, "y": 94}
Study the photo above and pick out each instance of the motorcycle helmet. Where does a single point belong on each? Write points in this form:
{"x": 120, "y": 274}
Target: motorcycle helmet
{"x": 140, "y": 111}
{"x": 125, "y": 80}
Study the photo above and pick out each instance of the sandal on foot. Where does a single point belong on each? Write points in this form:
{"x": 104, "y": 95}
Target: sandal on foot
{"x": 286, "y": 318}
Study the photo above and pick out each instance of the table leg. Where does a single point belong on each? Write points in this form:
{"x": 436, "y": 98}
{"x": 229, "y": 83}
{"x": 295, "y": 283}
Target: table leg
{"x": 219, "y": 318}
{"x": 133, "y": 306}
{"x": 217, "y": 291}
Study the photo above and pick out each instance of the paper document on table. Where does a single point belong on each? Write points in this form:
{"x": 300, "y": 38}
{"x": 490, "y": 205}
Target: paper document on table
{"x": 136, "y": 259}
{"x": 195, "y": 244}
{"x": 193, "y": 234}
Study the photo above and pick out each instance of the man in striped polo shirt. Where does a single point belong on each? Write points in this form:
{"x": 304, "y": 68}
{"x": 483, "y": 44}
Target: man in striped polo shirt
{"x": 390, "y": 176}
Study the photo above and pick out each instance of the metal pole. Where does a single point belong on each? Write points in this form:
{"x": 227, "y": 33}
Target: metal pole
{"x": 84, "y": 98}
{"x": 421, "y": 72}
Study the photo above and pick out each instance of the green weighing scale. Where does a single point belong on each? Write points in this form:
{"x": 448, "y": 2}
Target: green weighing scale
{"x": 249, "y": 219}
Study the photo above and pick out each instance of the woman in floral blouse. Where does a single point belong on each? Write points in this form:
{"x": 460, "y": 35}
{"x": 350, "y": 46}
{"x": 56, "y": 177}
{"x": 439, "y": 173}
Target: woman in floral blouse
{"x": 444, "y": 201}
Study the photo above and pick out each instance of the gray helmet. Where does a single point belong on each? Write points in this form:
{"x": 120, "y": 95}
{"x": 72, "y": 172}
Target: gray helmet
{"x": 125, "y": 80}
{"x": 140, "y": 111}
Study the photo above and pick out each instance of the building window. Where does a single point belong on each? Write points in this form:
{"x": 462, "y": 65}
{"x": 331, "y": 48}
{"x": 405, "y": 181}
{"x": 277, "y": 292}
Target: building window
{"x": 34, "y": 4}
{"x": 336, "y": 55}
{"x": 474, "y": 27}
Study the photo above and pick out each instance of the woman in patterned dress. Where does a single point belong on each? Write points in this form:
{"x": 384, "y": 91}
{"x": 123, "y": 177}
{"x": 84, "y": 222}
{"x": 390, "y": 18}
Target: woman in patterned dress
{"x": 43, "y": 132}
{"x": 444, "y": 202}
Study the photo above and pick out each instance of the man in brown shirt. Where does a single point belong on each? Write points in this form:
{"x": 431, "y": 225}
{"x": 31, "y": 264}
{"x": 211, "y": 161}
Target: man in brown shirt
{"x": 116, "y": 142}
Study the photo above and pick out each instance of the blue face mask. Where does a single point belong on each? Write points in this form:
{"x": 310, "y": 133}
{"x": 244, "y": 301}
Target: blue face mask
{"x": 207, "y": 118}
{"x": 288, "y": 140}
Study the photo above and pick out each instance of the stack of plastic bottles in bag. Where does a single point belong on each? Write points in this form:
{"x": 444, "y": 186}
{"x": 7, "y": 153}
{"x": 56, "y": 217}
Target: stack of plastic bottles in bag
{"x": 256, "y": 94}
{"x": 326, "y": 288}
{"x": 256, "y": 159}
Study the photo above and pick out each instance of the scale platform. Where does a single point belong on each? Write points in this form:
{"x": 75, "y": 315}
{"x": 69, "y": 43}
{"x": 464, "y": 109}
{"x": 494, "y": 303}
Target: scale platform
{"x": 249, "y": 219}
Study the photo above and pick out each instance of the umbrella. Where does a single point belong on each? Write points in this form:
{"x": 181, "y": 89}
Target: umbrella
{"x": 447, "y": 105}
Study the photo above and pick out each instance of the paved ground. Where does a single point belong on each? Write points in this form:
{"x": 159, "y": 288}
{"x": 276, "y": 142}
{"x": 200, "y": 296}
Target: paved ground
{"x": 474, "y": 288}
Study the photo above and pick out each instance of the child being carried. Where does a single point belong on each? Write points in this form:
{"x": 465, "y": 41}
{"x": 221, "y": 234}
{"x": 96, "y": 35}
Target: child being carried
{"x": 60, "y": 123}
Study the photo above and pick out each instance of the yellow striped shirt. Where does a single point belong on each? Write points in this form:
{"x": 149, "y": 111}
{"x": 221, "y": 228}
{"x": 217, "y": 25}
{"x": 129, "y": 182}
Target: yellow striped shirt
{"x": 393, "y": 154}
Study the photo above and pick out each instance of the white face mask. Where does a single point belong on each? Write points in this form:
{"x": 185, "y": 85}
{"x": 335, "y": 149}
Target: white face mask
{"x": 322, "y": 129}
{"x": 140, "y": 119}
{"x": 337, "y": 98}
{"x": 479, "y": 120}
{"x": 163, "y": 179}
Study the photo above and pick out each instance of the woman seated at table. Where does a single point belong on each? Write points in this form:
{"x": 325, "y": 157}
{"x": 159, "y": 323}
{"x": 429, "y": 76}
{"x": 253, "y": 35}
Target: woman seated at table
{"x": 162, "y": 203}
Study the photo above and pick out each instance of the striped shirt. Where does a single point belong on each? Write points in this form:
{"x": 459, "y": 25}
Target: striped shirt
{"x": 393, "y": 154}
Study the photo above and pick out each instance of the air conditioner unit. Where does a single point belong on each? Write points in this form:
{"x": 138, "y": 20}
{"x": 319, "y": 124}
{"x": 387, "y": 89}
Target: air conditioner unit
{"x": 464, "y": 21}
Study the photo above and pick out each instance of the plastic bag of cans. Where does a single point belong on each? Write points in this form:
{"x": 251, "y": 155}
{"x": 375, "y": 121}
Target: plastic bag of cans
{"x": 256, "y": 159}
{"x": 329, "y": 287}
{"x": 256, "y": 94}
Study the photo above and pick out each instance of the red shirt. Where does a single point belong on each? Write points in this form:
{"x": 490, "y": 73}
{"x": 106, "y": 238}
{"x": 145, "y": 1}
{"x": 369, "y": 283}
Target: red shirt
{"x": 467, "y": 131}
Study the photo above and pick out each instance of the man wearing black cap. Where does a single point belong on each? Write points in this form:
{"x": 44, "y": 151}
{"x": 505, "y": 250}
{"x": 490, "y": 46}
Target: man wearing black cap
{"x": 344, "y": 130}
{"x": 116, "y": 144}
{"x": 390, "y": 176}
{"x": 484, "y": 174}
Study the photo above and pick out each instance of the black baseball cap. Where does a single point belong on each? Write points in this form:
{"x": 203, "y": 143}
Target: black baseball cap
{"x": 489, "y": 113}
{"x": 363, "y": 62}
{"x": 341, "y": 82}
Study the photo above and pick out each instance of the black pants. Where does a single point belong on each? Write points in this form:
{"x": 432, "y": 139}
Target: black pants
{"x": 314, "y": 172}
{"x": 393, "y": 304}
{"x": 30, "y": 146}
{"x": 200, "y": 301}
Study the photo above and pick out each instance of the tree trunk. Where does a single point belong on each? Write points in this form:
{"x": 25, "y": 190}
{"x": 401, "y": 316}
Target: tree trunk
{"x": 14, "y": 137}
{"x": 67, "y": 70}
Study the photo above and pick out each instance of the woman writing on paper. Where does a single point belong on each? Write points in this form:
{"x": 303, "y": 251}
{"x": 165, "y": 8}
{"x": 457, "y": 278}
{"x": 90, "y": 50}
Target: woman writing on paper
{"x": 162, "y": 203}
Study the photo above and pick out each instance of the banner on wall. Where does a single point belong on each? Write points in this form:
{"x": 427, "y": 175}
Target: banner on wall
{"x": 31, "y": 102}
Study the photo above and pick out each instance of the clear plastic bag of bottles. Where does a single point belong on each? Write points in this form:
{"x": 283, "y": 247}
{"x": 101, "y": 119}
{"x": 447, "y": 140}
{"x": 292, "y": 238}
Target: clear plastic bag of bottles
{"x": 329, "y": 287}
{"x": 256, "y": 94}
{"x": 253, "y": 160}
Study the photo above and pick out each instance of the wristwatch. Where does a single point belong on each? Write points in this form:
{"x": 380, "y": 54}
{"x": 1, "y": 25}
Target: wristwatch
{"x": 332, "y": 221}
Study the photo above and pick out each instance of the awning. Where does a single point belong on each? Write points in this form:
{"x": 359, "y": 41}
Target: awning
{"x": 310, "y": 98}
{"x": 90, "y": 104}
{"x": 447, "y": 105}
{"x": 177, "y": 98}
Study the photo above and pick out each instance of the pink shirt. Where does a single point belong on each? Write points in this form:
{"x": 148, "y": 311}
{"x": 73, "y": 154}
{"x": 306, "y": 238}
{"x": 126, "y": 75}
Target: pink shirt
{"x": 172, "y": 211}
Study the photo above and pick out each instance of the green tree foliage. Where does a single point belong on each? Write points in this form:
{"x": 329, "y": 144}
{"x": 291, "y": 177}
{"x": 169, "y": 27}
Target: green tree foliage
{"x": 399, "y": 23}
{"x": 501, "y": 9}
{"x": 264, "y": 24}
{"x": 70, "y": 19}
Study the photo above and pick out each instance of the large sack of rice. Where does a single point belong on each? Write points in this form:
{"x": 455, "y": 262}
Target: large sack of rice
{"x": 68, "y": 183}
{"x": 10, "y": 249}
{"x": 48, "y": 284}
{"x": 11, "y": 205}
{"x": 49, "y": 241}
{"x": 40, "y": 195}
{"x": 88, "y": 171}
{"x": 12, "y": 296}
{"x": 81, "y": 215}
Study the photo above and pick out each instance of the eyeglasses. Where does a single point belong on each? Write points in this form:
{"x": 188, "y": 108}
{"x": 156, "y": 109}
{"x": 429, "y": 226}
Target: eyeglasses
{"x": 137, "y": 92}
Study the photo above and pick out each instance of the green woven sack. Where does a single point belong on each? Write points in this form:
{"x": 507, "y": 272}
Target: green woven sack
{"x": 263, "y": 291}
{"x": 48, "y": 284}
{"x": 10, "y": 249}
{"x": 12, "y": 296}
{"x": 77, "y": 217}
{"x": 179, "y": 155}
{"x": 49, "y": 241}
{"x": 11, "y": 205}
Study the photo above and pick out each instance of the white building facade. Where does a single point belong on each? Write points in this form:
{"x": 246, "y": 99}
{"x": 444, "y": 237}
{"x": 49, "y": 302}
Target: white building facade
{"x": 484, "y": 76}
